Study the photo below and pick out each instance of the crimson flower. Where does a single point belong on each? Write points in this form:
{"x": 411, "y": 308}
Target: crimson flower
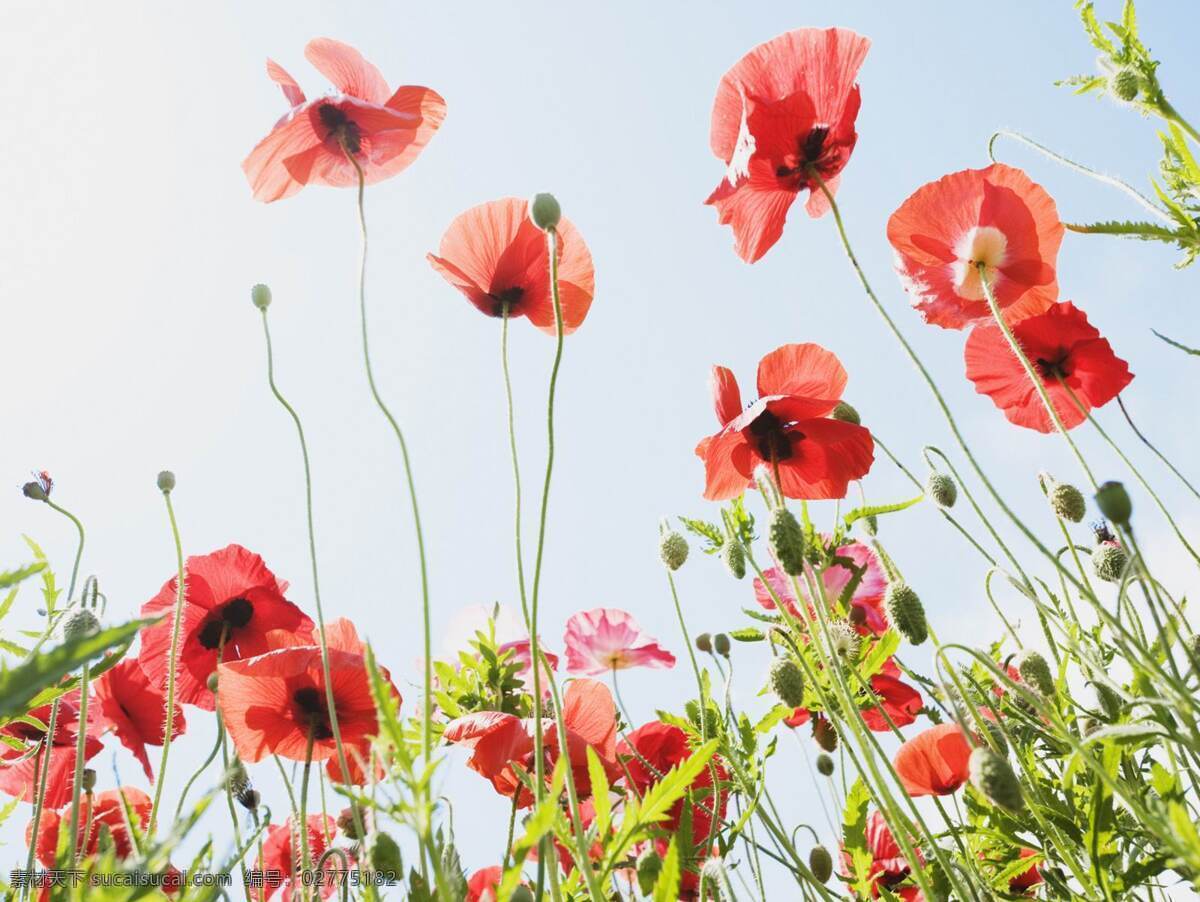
{"x": 934, "y": 762}
{"x": 889, "y": 866}
{"x": 786, "y": 429}
{"x": 649, "y": 752}
{"x": 855, "y": 567}
{"x": 785, "y": 111}
{"x": 607, "y": 639}
{"x": 900, "y": 701}
{"x": 18, "y": 767}
{"x": 501, "y": 743}
{"x": 233, "y": 607}
{"x": 498, "y": 258}
{"x": 271, "y": 704}
{"x": 484, "y": 883}
{"x": 312, "y": 144}
{"x": 96, "y": 810}
{"x": 1024, "y": 882}
{"x": 279, "y": 856}
{"x": 128, "y": 705}
{"x": 1066, "y": 351}
{"x": 997, "y": 217}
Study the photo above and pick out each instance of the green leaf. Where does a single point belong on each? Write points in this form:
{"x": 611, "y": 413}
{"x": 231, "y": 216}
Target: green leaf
{"x": 600, "y": 796}
{"x": 713, "y": 535}
{"x": 883, "y": 649}
{"x": 11, "y": 577}
{"x": 666, "y": 887}
{"x": 874, "y": 510}
{"x": 749, "y": 634}
{"x": 854, "y": 833}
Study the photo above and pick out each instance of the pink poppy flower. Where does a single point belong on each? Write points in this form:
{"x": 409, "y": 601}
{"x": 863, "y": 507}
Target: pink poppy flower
{"x": 866, "y": 599}
{"x": 607, "y": 639}
{"x": 311, "y": 145}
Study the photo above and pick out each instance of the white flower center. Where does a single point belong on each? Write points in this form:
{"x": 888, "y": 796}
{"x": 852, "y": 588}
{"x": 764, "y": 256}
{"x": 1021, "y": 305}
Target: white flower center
{"x": 984, "y": 245}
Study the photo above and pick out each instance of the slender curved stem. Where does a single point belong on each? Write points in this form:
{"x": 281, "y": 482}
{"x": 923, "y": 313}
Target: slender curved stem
{"x": 1145, "y": 441}
{"x": 80, "y": 748}
{"x": 78, "y": 548}
{"x": 187, "y": 787}
{"x": 172, "y": 663}
{"x": 305, "y": 853}
{"x": 39, "y": 796}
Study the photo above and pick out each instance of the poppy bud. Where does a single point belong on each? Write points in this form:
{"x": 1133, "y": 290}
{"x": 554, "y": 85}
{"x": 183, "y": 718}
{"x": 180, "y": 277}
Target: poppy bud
{"x": 787, "y": 682}
{"x": 905, "y": 613}
{"x": 1114, "y": 503}
{"x": 166, "y": 481}
{"x": 844, "y": 639}
{"x": 942, "y": 489}
{"x": 704, "y": 642}
{"x": 347, "y": 824}
{"x": 1108, "y": 561}
{"x": 673, "y": 549}
{"x": 88, "y": 781}
{"x": 384, "y": 854}
{"x": 1125, "y": 85}
{"x": 649, "y": 865}
{"x": 34, "y": 491}
{"x": 785, "y": 538}
{"x": 238, "y": 779}
{"x": 545, "y": 211}
{"x": 994, "y": 777}
{"x": 820, "y": 862}
{"x": 846, "y": 414}
{"x": 260, "y": 295}
{"x": 721, "y": 644}
{"x": 81, "y": 624}
{"x": 713, "y": 873}
{"x": 824, "y": 765}
{"x": 1035, "y": 672}
{"x": 1067, "y": 501}
{"x": 249, "y": 799}
{"x": 734, "y": 557}
{"x": 824, "y": 734}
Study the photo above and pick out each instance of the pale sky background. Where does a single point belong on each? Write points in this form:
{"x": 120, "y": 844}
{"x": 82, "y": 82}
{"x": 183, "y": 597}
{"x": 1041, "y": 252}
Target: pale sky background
{"x": 130, "y": 242}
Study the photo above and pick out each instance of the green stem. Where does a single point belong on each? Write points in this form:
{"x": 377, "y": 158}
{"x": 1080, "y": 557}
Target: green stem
{"x": 78, "y": 548}
{"x": 1145, "y": 441}
{"x": 39, "y": 795}
{"x": 172, "y": 663}
{"x": 305, "y": 853}
{"x": 80, "y": 746}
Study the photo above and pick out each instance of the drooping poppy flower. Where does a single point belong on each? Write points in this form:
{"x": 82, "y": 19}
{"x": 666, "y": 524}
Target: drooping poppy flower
{"x": 271, "y": 704}
{"x": 934, "y": 762}
{"x": 855, "y": 567}
{"x": 101, "y": 809}
{"x": 20, "y": 767}
{"x": 900, "y": 701}
{"x": 233, "y": 607}
{"x": 784, "y": 111}
{"x": 280, "y": 858}
{"x": 502, "y": 742}
{"x": 889, "y": 866}
{"x": 798, "y": 718}
{"x": 606, "y": 639}
{"x": 1024, "y": 882}
{"x": 787, "y": 429}
{"x": 1065, "y": 349}
{"x": 128, "y": 705}
{"x": 653, "y": 749}
{"x": 312, "y": 144}
{"x": 997, "y": 217}
{"x": 498, "y": 258}
{"x": 484, "y": 883}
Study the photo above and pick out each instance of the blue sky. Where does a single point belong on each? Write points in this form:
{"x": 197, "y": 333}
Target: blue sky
{"x": 131, "y": 242}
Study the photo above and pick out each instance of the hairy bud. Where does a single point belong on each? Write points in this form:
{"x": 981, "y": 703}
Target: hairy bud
{"x": 905, "y": 612}
{"x": 1067, "y": 501}
{"x": 785, "y": 538}
{"x": 787, "y": 682}
{"x": 942, "y": 489}
{"x": 993, "y": 776}
{"x": 734, "y": 557}
{"x": 81, "y": 624}
{"x": 1125, "y": 85}
{"x": 820, "y": 862}
{"x": 1108, "y": 561}
{"x": 1035, "y": 672}
{"x": 673, "y": 549}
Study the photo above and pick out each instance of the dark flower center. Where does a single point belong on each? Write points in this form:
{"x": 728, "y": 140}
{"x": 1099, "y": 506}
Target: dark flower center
{"x": 810, "y": 151}
{"x": 311, "y": 703}
{"x": 509, "y": 297}
{"x": 1054, "y": 368}
{"x": 341, "y": 129}
{"x": 770, "y": 437}
{"x": 232, "y": 615}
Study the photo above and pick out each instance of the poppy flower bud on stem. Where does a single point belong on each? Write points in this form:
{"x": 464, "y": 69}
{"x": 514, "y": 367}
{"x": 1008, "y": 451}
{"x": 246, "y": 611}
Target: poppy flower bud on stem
{"x": 81, "y": 624}
{"x": 673, "y": 549}
{"x": 1114, "y": 503}
{"x": 260, "y": 295}
{"x": 704, "y": 642}
{"x": 89, "y": 780}
{"x": 846, "y": 414}
{"x": 906, "y": 613}
{"x": 942, "y": 489}
{"x": 34, "y": 492}
{"x": 821, "y": 863}
{"x": 1108, "y": 561}
{"x": 993, "y": 776}
{"x": 824, "y": 765}
{"x": 787, "y": 682}
{"x": 1068, "y": 502}
{"x": 785, "y": 537}
{"x": 735, "y": 558}
{"x": 544, "y": 211}
{"x": 721, "y": 644}
{"x": 824, "y": 734}
{"x": 1035, "y": 672}
{"x": 1125, "y": 85}
{"x": 166, "y": 481}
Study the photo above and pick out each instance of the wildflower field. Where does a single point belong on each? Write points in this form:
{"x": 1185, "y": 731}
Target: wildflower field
{"x": 440, "y": 476}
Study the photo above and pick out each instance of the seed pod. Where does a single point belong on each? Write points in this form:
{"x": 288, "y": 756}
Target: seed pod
{"x": 721, "y": 644}
{"x": 673, "y": 549}
{"x": 820, "y": 862}
{"x": 734, "y": 557}
{"x": 1067, "y": 501}
{"x": 383, "y": 853}
{"x": 1125, "y": 85}
{"x": 166, "y": 481}
{"x": 942, "y": 489}
{"x": 260, "y": 296}
{"x": 34, "y": 491}
{"x": 545, "y": 211}
{"x": 649, "y": 866}
{"x": 905, "y": 612}
{"x": 994, "y": 777}
{"x": 824, "y": 765}
{"x": 1035, "y": 672}
{"x": 787, "y": 682}
{"x": 1114, "y": 503}
{"x": 846, "y": 414}
{"x": 824, "y": 734}
{"x": 785, "y": 537}
{"x": 1108, "y": 561}
{"x": 81, "y": 624}
{"x": 704, "y": 642}
{"x": 88, "y": 782}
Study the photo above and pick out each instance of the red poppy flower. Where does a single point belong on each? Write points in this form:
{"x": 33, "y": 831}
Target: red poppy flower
{"x": 607, "y": 639}
{"x": 787, "y": 108}
{"x": 1024, "y": 882}
{"x": 934, "y": 762}
{"x": 128, "y": 705}
{"x": 18, "y": 767}
{"x": 900, "y": 701}
{"x": 798, "y": 718}
{"x": 280, "y": 857}
{"x": 272, "y": 702}
{"x": 501, "y": 741}
{"x": 106, "y": 809}
{"x": 230, "y": 599}
{"x": 384, "y": 130}
{"x": 788, "y": 427}
{"x": 1064, "y": 348}
{"x": 889, "y": 866}
{"x": 853, "y": 561}
{"x": 484, "y": 883}
{"x": 496, "y": 256}
{"x": 995, "y": 216}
